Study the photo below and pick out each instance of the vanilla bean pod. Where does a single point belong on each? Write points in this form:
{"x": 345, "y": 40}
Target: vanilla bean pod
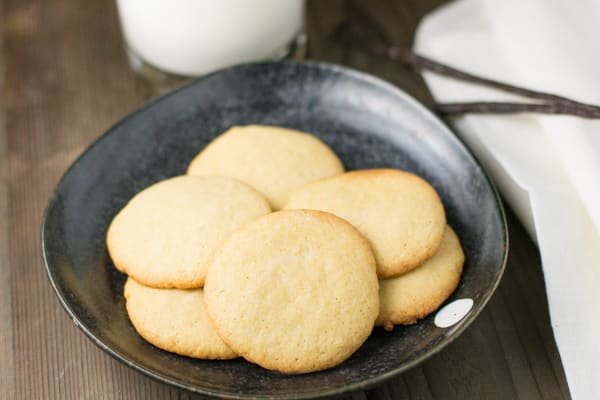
{"x": 553, "y": 104}
{"x": 423, "y": 63}
{"x": 510, "y": 108}
{"x": 361, "y": 33}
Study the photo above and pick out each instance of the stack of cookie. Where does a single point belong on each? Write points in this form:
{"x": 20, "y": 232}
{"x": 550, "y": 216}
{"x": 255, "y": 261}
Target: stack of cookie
{"x": 215, "y": 274}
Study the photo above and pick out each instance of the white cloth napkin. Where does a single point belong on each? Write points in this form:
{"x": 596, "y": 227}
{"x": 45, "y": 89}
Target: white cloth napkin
{"x": 546, "y": 167}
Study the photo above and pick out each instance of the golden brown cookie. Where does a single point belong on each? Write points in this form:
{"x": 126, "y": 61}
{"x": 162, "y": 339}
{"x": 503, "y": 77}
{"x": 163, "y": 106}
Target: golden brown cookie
{"x": 293, "y": 291}
{"x": 165, "y": 235}
{"x": 273, "y": 160}
{"x": 398, "y": 212}
{"x": 414, "y": 295}
{"x": 174, "y": 320}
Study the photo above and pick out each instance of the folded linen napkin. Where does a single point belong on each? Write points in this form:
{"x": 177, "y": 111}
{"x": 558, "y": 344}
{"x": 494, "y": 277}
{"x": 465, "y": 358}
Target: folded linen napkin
{"x": 546, "y": 167}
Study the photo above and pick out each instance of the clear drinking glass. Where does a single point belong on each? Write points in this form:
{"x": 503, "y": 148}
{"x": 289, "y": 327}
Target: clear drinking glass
{"x": 169, "y": 41}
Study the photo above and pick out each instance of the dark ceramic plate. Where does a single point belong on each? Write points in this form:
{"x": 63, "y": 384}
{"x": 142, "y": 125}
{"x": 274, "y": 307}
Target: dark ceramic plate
{"x": 368, "y": 122}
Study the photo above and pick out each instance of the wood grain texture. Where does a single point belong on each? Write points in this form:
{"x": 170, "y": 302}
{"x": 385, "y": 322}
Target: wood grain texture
{"x": 7, "y": 375}
{"x": 64, "y": 80}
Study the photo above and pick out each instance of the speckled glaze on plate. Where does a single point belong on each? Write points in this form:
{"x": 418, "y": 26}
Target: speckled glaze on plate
{"x": 368, "y": 122}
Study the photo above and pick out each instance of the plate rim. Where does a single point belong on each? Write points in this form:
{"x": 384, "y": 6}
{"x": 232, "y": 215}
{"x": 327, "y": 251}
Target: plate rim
{"x": 320, "y": 393}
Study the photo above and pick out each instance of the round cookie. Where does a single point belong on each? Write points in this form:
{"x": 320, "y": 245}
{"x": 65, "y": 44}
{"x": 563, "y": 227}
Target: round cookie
{"x": 273, "y": 160}
{"x": 398, "y": 212}
{"x": 174, "y": 320}
{"x": 293, "y": 291}
{"x": 165, "y": 235}
{"x": 414, "y": 295}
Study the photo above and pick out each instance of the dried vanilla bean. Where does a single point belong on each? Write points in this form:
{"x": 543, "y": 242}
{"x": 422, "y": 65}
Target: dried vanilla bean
{"x": 510, "y": 108}
{"x": 553, "y": 102}
{"x": 362, "y": 33}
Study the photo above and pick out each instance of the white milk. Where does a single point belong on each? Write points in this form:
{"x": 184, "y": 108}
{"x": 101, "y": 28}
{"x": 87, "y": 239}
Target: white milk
{"x": 194, "y": 37}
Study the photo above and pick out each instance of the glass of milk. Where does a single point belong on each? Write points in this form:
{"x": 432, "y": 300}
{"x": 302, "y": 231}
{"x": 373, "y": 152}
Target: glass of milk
{"x": 170, "y": 40}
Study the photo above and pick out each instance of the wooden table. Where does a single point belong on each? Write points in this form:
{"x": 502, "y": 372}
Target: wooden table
{"x": 64, "y": 81}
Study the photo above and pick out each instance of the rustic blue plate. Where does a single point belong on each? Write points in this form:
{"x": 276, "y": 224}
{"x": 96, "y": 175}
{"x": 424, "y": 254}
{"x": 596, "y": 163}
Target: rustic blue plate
{"x": 368, "y": 122}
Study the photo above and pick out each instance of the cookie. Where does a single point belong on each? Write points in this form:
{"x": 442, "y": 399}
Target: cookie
{"x": 165, "y": 235}
{"x": 293, "y": 291}
{"x": 273, "y": 160}
{"x": 414, "y": 295}
{"x": 398, "y": 212}
{"x": 174, "y": 320}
